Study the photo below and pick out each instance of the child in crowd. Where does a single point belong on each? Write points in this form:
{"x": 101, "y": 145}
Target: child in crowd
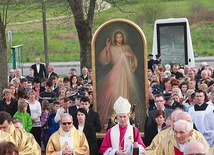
{"x": 53, "y": 126}
{"x": 24, "y": 116}
{"x": 44, "y": 123}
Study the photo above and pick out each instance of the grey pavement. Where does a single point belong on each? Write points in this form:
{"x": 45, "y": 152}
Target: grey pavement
{"x": 206, "y": 59}
{"x": 209, "y": 60}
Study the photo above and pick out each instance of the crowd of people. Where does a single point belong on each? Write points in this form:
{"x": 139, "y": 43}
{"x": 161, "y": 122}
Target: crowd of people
{"x": 43, "y": 112}
{"x": 181, "y": 109}
{"x": 34, "y": 106}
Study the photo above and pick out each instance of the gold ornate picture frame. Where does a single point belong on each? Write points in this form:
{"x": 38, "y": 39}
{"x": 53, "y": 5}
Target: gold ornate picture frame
{"x": 119, "y": 69}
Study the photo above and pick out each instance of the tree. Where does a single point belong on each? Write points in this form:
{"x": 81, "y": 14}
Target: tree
{"x": 45, "y": 33}
{"x": 3, "y": 48}
{"x": 84, "y": 23}
{"x": 84, "y": 28}
{"x": 6, "y": 16}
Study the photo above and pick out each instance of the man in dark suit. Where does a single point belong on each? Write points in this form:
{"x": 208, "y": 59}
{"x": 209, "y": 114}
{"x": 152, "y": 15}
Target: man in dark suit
{"x": 159, "y": 101}
{"x": 51, "y": 72}
{"x": 73, "y": 109}
{"x": 92, "y": 116}
{"x": 175, "y": 71}
{"x": 158, "y": 59}
{"x": 150, "y": 61}
{"x": 39, "y": 69}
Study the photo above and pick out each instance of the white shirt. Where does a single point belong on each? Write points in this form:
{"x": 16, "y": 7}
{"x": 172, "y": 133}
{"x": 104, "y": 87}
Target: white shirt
{"x": 37, "y": 67}
{"x": 36, "y": 111}
{"x": 80, "y": 128}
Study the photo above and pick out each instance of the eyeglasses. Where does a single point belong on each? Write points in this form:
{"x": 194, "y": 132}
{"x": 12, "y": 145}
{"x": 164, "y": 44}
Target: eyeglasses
{"x": 64, "y": 123}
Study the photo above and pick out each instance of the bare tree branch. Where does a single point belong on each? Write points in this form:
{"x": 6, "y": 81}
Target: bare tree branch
{"x": 116, "y": 4}
{"x": 23, "y": 11}
{"x": 6, "y": 11}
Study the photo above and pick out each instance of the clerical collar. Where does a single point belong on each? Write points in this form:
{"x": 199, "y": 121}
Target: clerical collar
{"x": 200, "y": 107}
{"x": 200, "y": 104}
{"x": 181, "y": 147}
{"x": 66, "y": 134}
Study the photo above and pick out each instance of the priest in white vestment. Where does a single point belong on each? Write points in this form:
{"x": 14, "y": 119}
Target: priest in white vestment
{"x": 199, "y": 110}
{"x": 209, "y": 128}
{"x": 122, "y": 138}
{"x": 67, "y": 140}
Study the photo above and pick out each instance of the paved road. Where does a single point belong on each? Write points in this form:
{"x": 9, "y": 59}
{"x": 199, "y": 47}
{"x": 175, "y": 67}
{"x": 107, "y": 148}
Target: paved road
{"x": 209, "y": 60}
{"x": 62, "y": 68}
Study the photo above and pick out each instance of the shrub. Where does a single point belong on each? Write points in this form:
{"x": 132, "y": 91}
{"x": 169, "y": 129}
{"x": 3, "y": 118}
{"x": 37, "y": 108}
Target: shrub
{"x": 150, "y": 11}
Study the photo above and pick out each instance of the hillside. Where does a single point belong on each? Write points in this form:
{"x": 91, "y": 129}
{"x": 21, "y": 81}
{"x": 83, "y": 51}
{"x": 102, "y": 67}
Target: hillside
{"x": 62, "y": 36}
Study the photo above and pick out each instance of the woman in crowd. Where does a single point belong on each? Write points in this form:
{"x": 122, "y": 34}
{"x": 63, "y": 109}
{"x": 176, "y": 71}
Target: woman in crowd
{"x": 36, "y": 111}
{"x": 155, "y": 77}
{"x": 184, "y": 88}
{"x": 176, "y": 98}
{"x": 90, "y": 93}
{"x": 73, "y": 81}
{"x": 203, "y": 87}
{"x": 167, "y": 85}
{"x": 60, "y": 83}
{"x": 155, "y": 128}
{"x": 88, "y": 130}
{"x": 8, "y": 103}
{"x": 13, "y": 90}
{"x": 62, "y": 92}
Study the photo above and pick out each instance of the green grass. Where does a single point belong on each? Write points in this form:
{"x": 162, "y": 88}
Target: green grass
{"x": 62, "y": 35}
{"x": 203, "y": 39}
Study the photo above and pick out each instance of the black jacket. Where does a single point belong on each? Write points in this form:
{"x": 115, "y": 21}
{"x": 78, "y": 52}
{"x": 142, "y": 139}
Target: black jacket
{"x": 90, "y": 136}
{"x": 10, "y": 108}
{"x": 42, "y": 71}
{"x": 94, "y": 119}
{"x": 151, "y": 132}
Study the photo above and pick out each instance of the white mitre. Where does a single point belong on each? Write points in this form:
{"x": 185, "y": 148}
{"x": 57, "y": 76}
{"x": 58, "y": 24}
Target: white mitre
{"x": 122, "y": 106}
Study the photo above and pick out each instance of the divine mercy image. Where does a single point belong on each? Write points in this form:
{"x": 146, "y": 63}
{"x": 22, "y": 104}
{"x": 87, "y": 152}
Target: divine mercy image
{"x": 119, "y": 49}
